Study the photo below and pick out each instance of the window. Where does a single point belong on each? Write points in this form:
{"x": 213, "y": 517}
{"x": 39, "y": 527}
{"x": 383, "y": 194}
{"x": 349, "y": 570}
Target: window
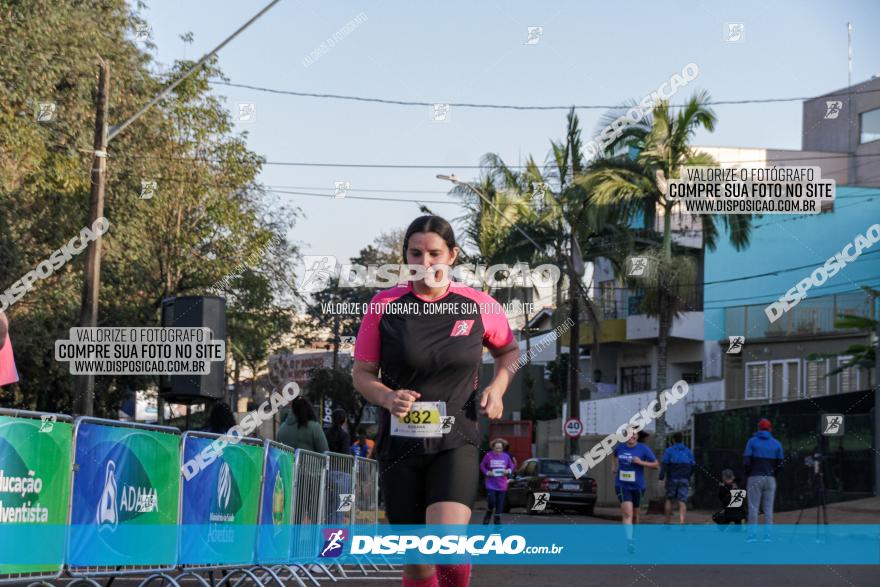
{"x": 635, "y": 379}
{"x": 869, "y": 126}
{"x": 607, "y": 289}
{"x": 784, "y": 380}
{"x": 815, "y": 380}
{"x": 556, "y": 469}
{"x": 530, "y": 469}
{"x": 756, "y": 381}
{"x": 848, "y": 379}
{"x": 690, "y": 378}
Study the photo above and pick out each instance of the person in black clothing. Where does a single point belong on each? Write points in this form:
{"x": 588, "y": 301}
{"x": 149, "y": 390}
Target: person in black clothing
{"x": 220, "y": 418}
{"x": 337, "y": 438}
{"x": 730, "y": 513}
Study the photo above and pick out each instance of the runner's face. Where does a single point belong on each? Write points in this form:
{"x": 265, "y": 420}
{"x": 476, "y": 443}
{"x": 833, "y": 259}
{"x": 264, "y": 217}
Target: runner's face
{"x": 428, "y": 249}
{"x": 498, "y": 447}
{"x": 633, "y": 438}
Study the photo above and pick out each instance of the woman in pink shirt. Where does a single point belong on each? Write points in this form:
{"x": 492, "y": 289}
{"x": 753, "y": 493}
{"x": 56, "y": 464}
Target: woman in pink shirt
{"x": 8, "y": 374}
{"x": 496, "y": 466}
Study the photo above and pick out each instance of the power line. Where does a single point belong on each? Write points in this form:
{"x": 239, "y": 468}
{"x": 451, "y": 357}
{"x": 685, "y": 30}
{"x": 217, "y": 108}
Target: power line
{"x": 375, "y": 190}
{"x": 452, "y": 165}
{"x": 122, "y": 126}
{"x": 372, "y": 198}
{"x": 397, "y": 102}
{"x": 774, "y": 296}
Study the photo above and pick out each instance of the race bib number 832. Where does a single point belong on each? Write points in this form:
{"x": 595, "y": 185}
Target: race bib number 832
{"x": 422, "y": 421}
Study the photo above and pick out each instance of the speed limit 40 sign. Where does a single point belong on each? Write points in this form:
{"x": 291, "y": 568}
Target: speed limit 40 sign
{"x": 573, "y": 428}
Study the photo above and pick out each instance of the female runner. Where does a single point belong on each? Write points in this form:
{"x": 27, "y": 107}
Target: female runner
{"x": 417, "y": 356}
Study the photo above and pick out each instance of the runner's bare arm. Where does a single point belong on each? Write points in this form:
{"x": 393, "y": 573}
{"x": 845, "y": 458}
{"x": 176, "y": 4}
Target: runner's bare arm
{"x": 365, "y": 377}
{"x": 491, "y": 403}
{"x": 646, "y": 464}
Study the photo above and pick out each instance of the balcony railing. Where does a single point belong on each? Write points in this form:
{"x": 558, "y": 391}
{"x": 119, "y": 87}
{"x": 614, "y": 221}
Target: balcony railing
{"x": 631, "y": 301}
{"x": 810, "y": 317}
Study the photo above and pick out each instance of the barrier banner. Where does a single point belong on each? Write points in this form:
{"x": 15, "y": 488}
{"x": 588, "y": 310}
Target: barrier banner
{"x": 34, "y": 489}
{"x": 125, "y": 496}
{"x": 219, "y": 517}
{"x": 275, "y": 537}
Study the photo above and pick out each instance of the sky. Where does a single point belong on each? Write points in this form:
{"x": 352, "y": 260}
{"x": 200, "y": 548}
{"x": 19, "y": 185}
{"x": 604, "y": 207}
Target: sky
{"x": 589, "y": 53}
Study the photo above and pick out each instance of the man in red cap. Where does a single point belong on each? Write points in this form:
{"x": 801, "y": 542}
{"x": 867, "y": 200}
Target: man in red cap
{"x": 762, "y": 457}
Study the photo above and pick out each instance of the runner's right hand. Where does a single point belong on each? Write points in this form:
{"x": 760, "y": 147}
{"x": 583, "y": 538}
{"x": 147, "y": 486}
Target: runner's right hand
{"x": 399, "y": 401}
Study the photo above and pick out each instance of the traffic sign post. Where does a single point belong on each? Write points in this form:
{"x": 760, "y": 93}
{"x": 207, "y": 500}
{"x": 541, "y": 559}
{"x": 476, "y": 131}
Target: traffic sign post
{"x": 573, "y": 428}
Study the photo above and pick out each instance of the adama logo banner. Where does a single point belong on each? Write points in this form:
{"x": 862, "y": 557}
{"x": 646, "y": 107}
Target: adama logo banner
{"x": 35, "y": 484}
{"x": 220, "y": 504}
{"x": 275, "y": 536}
{"x": 124, "y": 478}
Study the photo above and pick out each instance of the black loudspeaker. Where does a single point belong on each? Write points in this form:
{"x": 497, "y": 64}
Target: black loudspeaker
{"x": 204, "y": 312}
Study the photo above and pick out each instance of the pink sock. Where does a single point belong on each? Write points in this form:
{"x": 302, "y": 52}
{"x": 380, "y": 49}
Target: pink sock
{"x": 453, "y": 575}
{"x": 429, "y": 582}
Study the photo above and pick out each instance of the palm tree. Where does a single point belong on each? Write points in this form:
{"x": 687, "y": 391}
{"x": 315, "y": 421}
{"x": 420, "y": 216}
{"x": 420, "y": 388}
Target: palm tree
{"x": 490, "y": 222}
{"x": 565, "y": 217}
{"x": 633, "y": 173}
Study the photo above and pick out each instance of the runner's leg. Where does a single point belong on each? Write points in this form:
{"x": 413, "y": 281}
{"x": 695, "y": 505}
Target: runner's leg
{"x": 403, "y": 483}
{"x": 450, "y": 512}
{"x": 499, "y": 505}
{"x": 753, "y": 493}
{"x": 452, "y": 487}
{"x": 767, "y": 498}
{"x": 491, "y": 504}
{"x": 626, "y": 513}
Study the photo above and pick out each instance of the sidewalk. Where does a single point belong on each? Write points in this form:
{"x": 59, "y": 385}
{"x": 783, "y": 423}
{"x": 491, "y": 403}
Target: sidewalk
{"x": 860, "y": 511}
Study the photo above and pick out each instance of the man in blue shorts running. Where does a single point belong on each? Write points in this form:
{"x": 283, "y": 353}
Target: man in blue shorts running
{"x": 628, "y": 468}
{"x": 676, "y": 467}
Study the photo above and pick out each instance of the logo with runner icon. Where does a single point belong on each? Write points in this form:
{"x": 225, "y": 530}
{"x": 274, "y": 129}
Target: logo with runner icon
{"x": 47, "y": 422}
{"x": 334, "y": 542}
{"x": 832, "y": 424}
{"x": 541, "y": 501}
{"x": 737, "y": 498}
{"x": 462, "y": 328}
{"x": 735, "y": 345}
{"x": 346, "y": 501}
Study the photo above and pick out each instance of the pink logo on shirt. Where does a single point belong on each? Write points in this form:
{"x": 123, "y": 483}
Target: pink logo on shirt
{"x": 462, "y": 327}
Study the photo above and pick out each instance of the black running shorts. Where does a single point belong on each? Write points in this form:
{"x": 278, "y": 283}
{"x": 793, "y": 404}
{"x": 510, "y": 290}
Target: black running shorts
{"x": 411, "y": 484}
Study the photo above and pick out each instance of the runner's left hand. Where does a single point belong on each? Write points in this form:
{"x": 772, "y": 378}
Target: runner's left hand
{"x": 491, "y": 403}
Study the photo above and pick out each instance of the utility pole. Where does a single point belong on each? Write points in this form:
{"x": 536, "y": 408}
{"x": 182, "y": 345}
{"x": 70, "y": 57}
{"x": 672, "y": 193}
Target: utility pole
{"x": 851, "y": 123}
{"x": 876, "y": 405}
{"x": 574, "y": 399}
{"x": 84, "y": 385}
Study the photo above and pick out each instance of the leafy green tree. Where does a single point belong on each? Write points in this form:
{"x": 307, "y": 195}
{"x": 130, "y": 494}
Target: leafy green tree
{"x": 204, "y": 222}
{"x": 336, "y": 385}
{"x": 385, "y": 249}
